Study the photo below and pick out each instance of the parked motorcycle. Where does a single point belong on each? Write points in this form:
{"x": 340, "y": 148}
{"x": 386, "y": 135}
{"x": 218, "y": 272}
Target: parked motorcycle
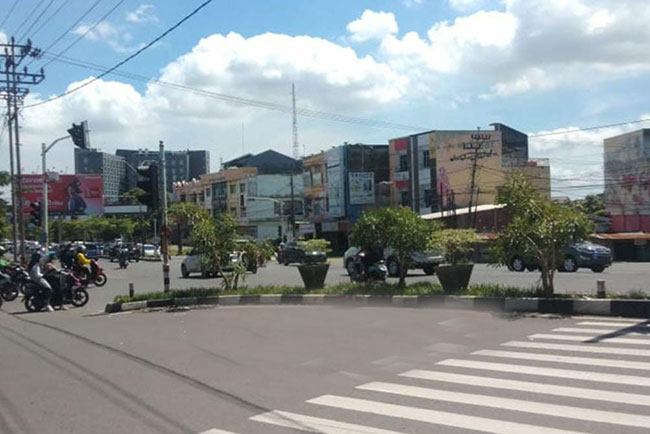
{"x": 12, "y": 282}
{"x": 67, "y": 289}
{"x": 375, "y": 272}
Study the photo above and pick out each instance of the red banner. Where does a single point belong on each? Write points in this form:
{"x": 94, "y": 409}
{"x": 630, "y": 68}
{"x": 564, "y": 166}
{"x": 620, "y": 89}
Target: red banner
{"x": 70, "y": 195}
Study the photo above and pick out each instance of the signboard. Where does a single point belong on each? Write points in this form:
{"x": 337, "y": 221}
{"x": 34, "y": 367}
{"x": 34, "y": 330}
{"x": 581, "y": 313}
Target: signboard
{"x": 335, "y": 182}
{"x": 69, "y": 195}
{"x": 362, "y": 188}
{"x": 330, "y": 226}
{"x": 306, "y": 228}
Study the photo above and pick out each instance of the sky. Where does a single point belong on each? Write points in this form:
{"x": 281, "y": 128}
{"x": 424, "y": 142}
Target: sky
{"x": 540, "y": 66}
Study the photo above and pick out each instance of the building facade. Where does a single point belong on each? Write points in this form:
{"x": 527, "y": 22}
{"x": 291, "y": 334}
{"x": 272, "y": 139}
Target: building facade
{"x": 111, "y": 167}
{"x": 432, "y": 171}
{"x": 627, "y": 181}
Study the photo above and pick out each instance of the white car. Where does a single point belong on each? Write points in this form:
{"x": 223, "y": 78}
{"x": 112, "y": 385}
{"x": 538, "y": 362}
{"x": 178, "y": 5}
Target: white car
{"x": 150, "y": 251}
{"x": 192, "y": 264}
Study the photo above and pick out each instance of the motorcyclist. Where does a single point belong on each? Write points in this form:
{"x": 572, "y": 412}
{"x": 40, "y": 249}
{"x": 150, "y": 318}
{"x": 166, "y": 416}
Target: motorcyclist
{"x": 123, "y": 255}
{"x": 3, "y": 262}
{"x": 82, "y": 260}
{"x": 67, "y": 256}
{"x": 367, "y": 256}
{"x": 36, "y": 276}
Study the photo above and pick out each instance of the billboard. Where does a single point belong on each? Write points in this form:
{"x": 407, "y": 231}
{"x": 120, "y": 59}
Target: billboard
{"x": 362, "y": 188}
{"x": 69, "y": 195}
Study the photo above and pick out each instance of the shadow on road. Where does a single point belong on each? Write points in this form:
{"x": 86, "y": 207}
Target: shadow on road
{"x": 641, "y": 328}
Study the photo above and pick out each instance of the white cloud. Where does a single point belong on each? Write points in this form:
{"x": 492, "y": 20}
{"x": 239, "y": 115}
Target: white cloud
{"x": 372, "y": 25}
{"x": 412, "y": 3}
{"x": 466, "y": 5}
{"x": 143, "y": 14}
{"x": 115, "y": 37}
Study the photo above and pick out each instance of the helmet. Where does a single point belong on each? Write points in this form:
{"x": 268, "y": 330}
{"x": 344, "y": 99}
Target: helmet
{"x": 81, "y": 249}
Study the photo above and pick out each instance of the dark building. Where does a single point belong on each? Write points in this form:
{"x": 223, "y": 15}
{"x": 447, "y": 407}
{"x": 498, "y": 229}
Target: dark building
{"x": 111, "y": 167}
{"x": 181, "y": 165}
{"x": 267, "y": 163}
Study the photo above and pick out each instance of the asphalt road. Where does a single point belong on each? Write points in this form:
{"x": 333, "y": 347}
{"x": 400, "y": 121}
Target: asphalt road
{"x": 333, "y": 370}
{"x": 147, "y": 276}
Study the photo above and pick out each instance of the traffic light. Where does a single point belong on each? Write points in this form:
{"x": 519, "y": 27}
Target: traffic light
{"x": 150, "y": 183}
{"x": 36, "y": 213}
{"x": 79, "y": 134}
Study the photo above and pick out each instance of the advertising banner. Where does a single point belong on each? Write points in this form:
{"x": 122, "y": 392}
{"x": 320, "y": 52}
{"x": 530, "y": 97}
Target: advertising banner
{"x": 69, "y": 195}
{"x": 362, "y": 188}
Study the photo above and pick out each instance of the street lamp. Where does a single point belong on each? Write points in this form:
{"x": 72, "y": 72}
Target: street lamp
{"x": 44, "y": 204}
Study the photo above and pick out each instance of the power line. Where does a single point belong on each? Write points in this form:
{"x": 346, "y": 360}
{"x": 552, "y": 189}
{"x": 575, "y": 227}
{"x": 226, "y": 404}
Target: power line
{"x": 47, "y": 21}
{"x": 595, "y": 127}
{"x": 13, "y": 6}
{"x": 138, "y": 52}
{"x": 33, "y": 11}
{"x": 90, "y": 29}
{"x": 31, "y": 26}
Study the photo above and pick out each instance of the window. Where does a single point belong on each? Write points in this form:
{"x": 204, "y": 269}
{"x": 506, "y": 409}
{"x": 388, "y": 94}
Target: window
{"x": 233, "y": 211}
{"x": 242, "y": 200}
{"x": 242, "y": 211}
{"x": 403, "y": 163}
{"x": 428, "y": 197}
{"x": 426, "y": 161}
{"x": 242, "y": 188}
{"x": 233, "y": 188}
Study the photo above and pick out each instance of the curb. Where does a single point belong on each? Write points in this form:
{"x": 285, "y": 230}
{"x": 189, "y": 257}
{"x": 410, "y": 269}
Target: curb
{"x": 562, "y": 306}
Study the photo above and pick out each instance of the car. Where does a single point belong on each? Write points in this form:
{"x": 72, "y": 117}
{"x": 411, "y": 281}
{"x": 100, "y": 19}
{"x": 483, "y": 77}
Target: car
{"x": 192, "y": 263}
{"x": 134, "y": 252}
{"x": 149, "y": 251}
{"x": 427, "y": 261}
{"x": 293, "y": 253}
{"x": 92, "y": 251}
{"x": 579, "y": 255}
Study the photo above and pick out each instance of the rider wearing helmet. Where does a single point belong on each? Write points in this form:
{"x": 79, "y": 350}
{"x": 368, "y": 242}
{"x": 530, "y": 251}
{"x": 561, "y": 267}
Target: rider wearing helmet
{"x": 3, "y": 262}
{"x": 36, "y": 276}
{"x": 81, "y": 257}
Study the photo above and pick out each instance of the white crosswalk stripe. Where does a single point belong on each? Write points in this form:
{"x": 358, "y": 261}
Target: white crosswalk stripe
{"x": 625, "y": 419}
{"x": 316, "y": 424}
{"x": 528, "y": 386}
{"x": 589, "y": 361}
{"x": 608, "y": 318}
{"x": 549, "y": 372}
{"x": 612, "y": 324}
{"x": 434, "y": 417}
{"x": 597, "y": 331}
{"x": 616, "y": 340}
{"x": 581, "y": 348}
{"x": 519, "y": 388}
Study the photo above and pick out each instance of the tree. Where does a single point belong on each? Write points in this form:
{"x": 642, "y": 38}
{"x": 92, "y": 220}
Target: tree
{"x": 214, "y": 239}
{"x": 538, "y": 228}
{"x": 5, "y": 207}
{"x": 592, "y": 204}
{"x": 185, "y": 214}
{"x": 398, "y": 228}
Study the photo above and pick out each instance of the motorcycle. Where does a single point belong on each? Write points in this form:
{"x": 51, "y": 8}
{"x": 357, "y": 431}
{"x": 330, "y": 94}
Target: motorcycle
{"x": 124, "y": 261}
{"x": 375, "y": 272}
{"x": 93, "y": 275}
{"x": 12, "y": 282}
{"x": 67, "y": 289}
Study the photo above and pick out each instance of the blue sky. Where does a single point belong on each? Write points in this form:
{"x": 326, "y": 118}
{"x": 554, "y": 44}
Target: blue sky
{"x": 537, "y": 65}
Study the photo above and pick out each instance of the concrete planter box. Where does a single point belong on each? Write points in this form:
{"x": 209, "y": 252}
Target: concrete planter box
{"x": 313, "y": 275}
{"x": 454, "y": 278}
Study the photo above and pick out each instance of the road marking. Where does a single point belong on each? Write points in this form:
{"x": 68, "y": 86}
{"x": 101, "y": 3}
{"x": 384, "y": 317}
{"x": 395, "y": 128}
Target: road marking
{"x": 608, "y": 318}
{"x": 549, "y": 372}
{"x": 589, "y": 361}
{"x": 315, "y": 424}
{"x": 613, "y": 324}
{"x": 589, "y": 339}
{"x": 579, "y": 348}
{"x": 528, "y": 386}
{"x": 565, "y": 411}
{"x": 216, "y": 431}
{"x": 464, "y": 421}
{"x": 596, "y": 331}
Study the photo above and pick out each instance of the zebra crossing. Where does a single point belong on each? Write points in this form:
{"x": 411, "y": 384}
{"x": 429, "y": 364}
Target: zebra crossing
{"x": 591, "y": 377}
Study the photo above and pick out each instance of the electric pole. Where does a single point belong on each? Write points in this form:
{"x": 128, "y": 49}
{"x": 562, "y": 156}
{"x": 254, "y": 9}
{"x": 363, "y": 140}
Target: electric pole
{"x": 296, "y": 156}
{"x": 14, "y": 92}
{"x": 164, "y": 230}
{"x": 475, "y": 152}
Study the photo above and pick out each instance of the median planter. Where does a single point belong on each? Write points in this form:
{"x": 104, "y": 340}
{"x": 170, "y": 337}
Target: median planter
{"x": 454, "y": 278}
{"x": 313, "y": 275}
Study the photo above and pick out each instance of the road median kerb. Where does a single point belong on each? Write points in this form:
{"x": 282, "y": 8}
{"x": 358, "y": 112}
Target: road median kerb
{"x": 563, "y": 306}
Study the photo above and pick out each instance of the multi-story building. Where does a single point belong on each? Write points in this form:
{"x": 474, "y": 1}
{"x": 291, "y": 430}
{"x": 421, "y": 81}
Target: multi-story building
{"x": 627, "y": 181}
{"x": 259, "y": 196}
{"x": 111, "y": 167}
{"x": 433, "y": 171}
{"x": 340, "y": 184}
{"x": 181, "y": 165}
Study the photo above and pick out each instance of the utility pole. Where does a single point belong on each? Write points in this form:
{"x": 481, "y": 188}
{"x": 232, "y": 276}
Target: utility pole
{"x": 296, "y": 156}
{"x": 14, "y": 213}
{"x": 475, "y": 152}
{"x": 164, "y": 230}
{"x": 13, "y": 54}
